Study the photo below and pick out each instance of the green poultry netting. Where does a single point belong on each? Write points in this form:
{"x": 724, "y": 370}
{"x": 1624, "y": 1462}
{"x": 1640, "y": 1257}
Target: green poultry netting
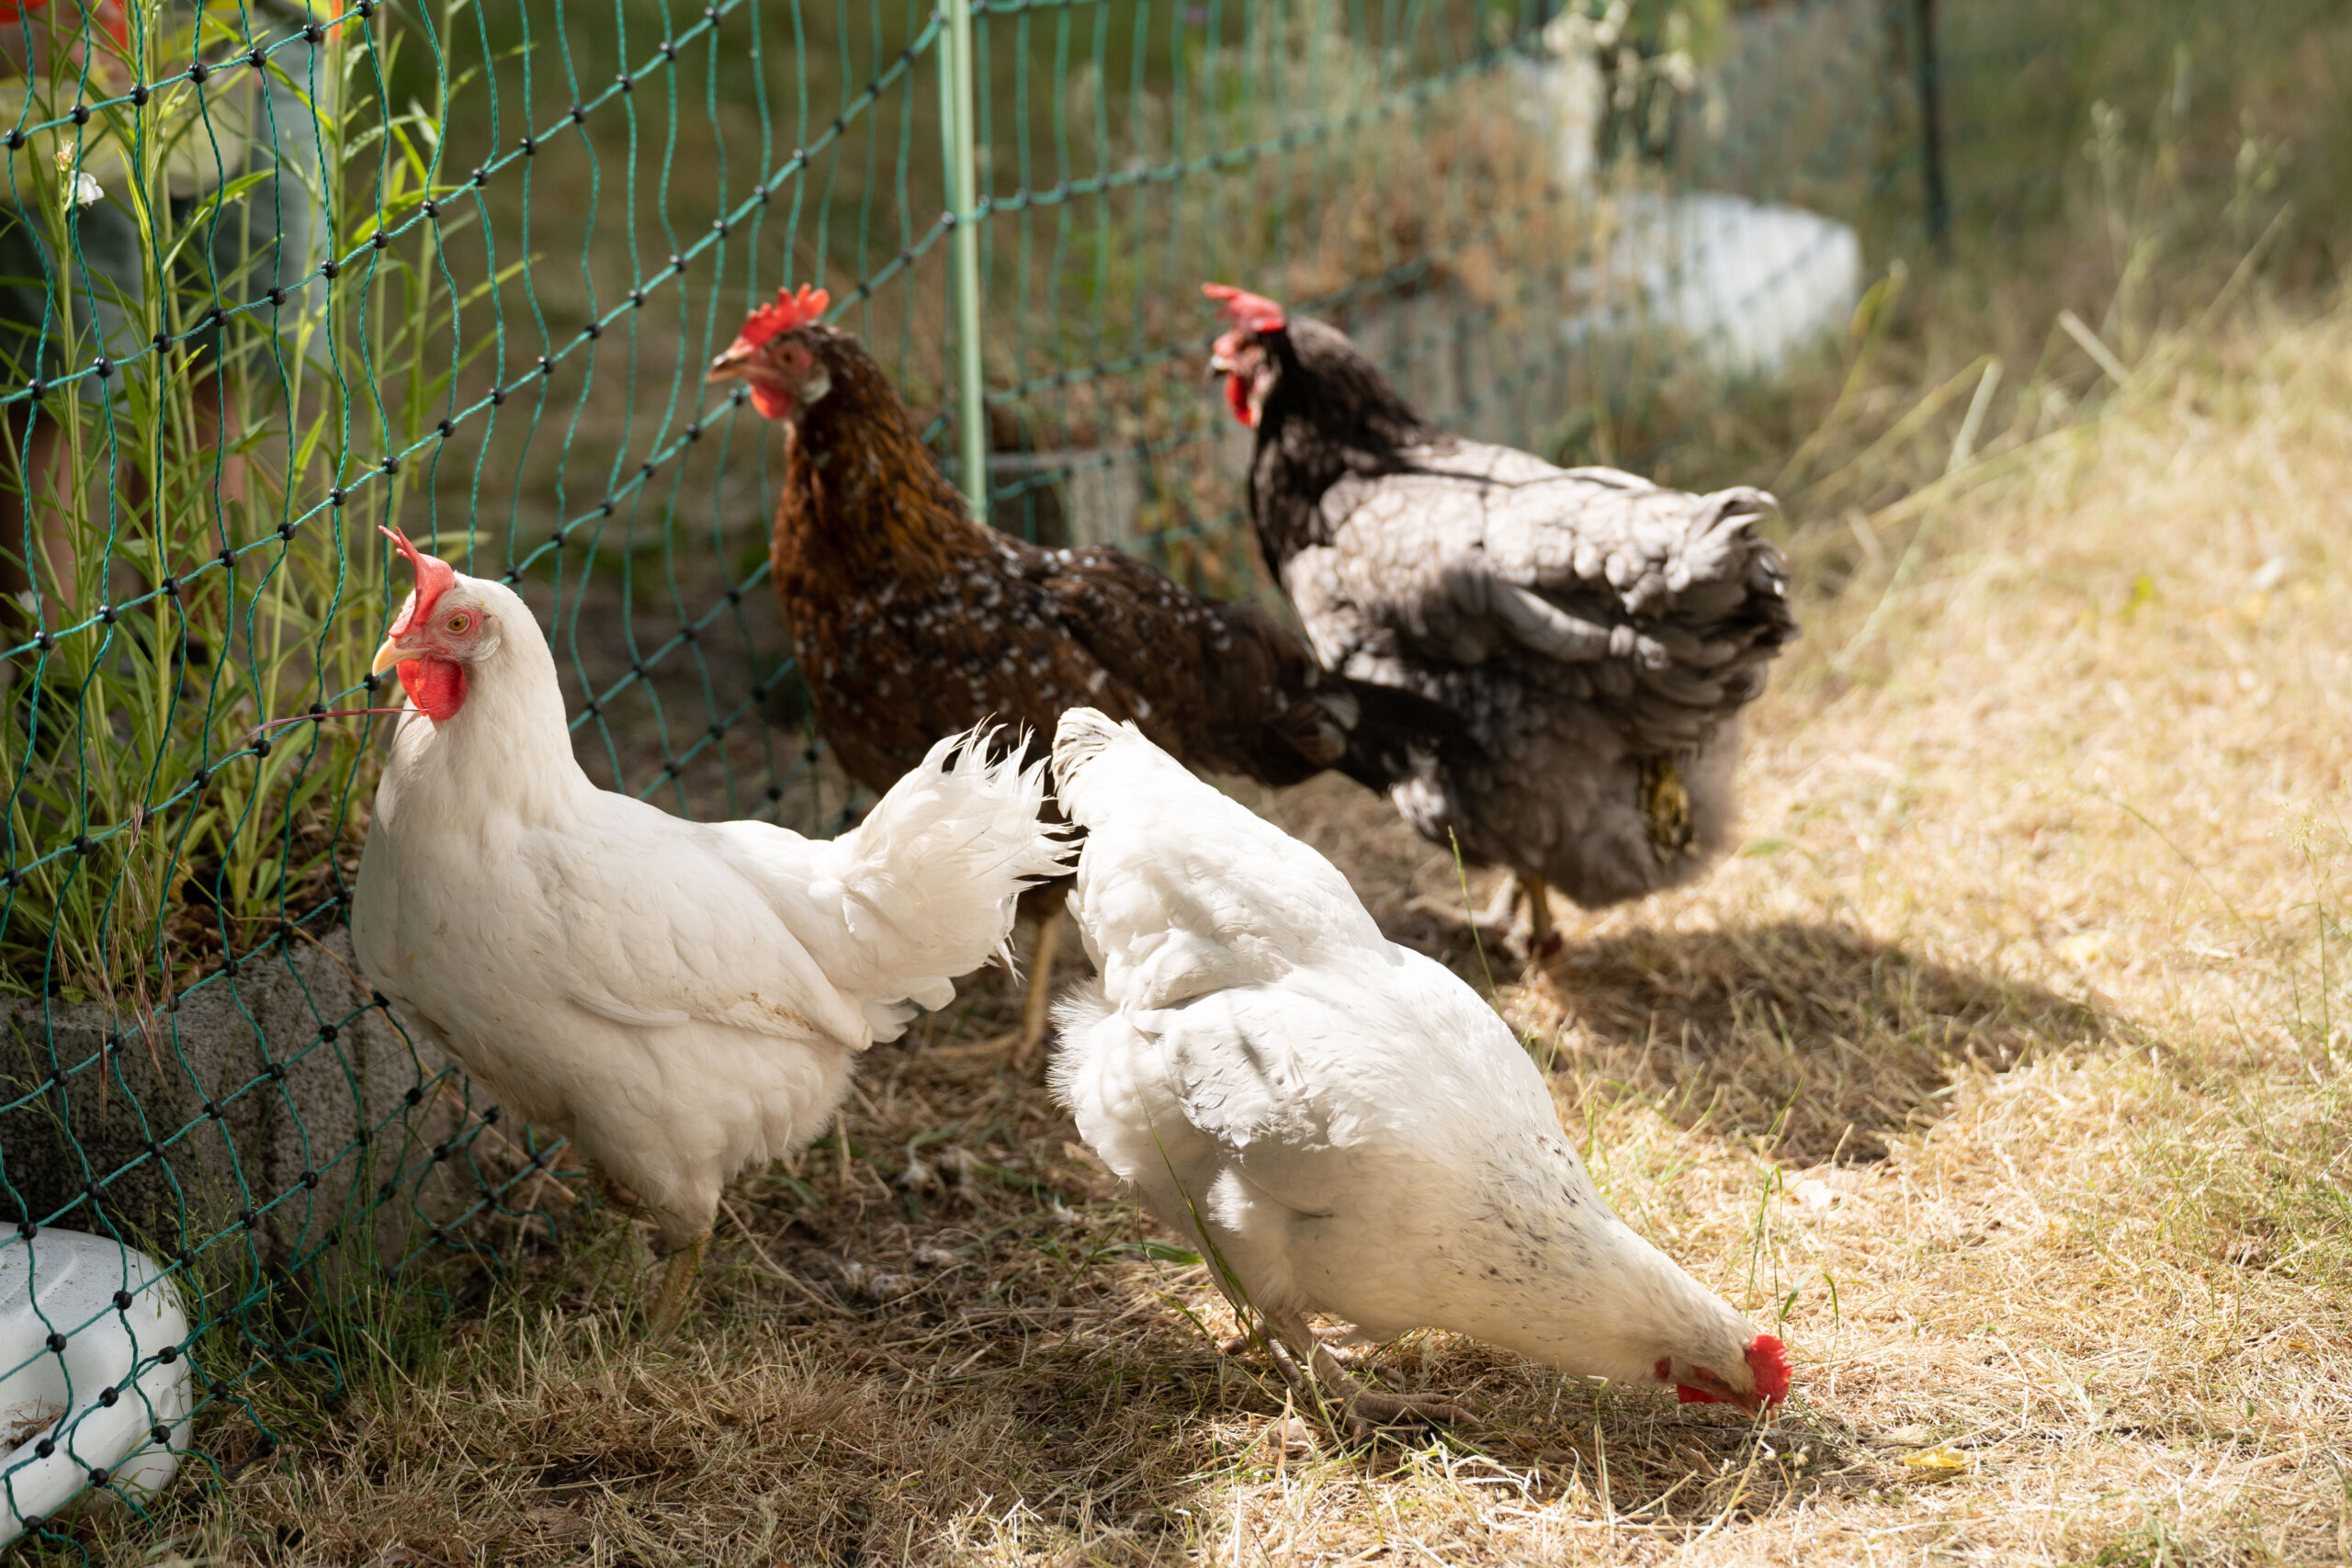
{"x": 273, "y": 273}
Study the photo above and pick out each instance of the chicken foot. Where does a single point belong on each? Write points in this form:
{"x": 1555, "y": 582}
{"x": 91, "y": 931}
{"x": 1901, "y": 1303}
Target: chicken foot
{"x": 1365, "y": 1409}
{"x": 678, "y": 1272}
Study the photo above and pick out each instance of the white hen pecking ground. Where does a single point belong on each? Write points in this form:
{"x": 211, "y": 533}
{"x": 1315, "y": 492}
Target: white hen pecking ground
{"x": 2006, "y": 1067}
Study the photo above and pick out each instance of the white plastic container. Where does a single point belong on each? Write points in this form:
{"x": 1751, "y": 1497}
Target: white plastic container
{"x": 113, "y": 1314}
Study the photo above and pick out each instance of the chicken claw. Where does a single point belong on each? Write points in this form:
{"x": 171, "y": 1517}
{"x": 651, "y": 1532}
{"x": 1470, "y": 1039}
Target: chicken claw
{"x": 1366, "y": 1410}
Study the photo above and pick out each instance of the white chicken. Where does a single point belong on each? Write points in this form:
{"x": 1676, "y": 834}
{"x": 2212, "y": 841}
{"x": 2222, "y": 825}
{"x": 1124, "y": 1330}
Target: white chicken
{"x": 681, "y": 999}
{"x": 1340, "y": 1123}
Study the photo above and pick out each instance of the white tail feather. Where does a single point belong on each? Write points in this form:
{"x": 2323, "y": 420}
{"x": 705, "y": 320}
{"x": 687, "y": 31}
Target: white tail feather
{"x": 928, "y": 881}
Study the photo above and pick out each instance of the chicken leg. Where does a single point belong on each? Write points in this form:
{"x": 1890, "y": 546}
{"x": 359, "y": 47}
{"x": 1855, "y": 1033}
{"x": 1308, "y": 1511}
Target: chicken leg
{"x": 1542, "y": 937}
{"x": 1037, "y": 1003}
{"x": 678, "y": 1272}
{"x": 1366, "y": 1410}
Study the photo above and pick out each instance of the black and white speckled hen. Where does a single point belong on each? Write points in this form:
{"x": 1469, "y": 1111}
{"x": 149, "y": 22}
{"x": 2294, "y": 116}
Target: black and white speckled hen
{"x": 904, "y": 612}
{"x": 1596, "y": 634}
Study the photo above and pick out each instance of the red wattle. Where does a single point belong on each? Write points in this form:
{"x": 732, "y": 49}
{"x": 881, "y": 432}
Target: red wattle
{"x": 1684, "y": 1394}
{"x": 438, "y": 687}
{"x": 771, "y": 403}
{"x": 1236, "y": 397}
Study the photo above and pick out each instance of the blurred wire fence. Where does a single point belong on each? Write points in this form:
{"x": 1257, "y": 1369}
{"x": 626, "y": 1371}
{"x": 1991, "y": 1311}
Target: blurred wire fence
{"x": 272, "y": 273}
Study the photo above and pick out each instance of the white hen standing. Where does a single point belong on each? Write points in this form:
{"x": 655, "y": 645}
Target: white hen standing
{"x": 681, "y": 999}
{"x": 1342, "y": 1123}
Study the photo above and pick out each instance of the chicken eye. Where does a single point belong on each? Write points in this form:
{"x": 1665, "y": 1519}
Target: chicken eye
{"x": 456, "y": 624}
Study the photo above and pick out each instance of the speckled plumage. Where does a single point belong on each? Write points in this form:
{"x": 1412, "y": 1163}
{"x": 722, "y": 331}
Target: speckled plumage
{"x": 910, "y": 619}
{"x": 1597, "y": 635}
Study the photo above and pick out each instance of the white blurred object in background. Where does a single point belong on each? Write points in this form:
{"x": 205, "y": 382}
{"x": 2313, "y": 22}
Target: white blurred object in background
{"x": 1745, "y": 284}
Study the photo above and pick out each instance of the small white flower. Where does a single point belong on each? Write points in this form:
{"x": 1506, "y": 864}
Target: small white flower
{"x": 80, "y": 188}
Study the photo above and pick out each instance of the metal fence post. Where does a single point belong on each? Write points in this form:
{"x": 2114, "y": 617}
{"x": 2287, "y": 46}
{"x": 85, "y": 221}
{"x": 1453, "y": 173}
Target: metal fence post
{"x": 957, "y": 147}
{"x": 1932, "y": 125}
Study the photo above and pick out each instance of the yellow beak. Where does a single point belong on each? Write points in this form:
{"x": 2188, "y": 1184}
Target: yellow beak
{"x": 386, "y": 657}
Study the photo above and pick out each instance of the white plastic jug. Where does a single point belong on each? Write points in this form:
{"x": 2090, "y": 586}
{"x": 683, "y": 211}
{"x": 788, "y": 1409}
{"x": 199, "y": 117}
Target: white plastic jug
{"x": 79, "y": 1315}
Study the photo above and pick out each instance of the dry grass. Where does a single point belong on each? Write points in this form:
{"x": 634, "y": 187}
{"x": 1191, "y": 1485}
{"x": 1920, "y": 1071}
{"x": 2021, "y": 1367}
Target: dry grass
{"x": 2004, "y": 1067}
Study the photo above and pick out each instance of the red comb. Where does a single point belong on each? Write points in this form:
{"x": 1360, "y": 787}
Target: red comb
{"x": 789, "y": 310}
{"x": 1769, "y": 1359}
{"x": 1252, "y": 312}
{"x": 434, "y": 577}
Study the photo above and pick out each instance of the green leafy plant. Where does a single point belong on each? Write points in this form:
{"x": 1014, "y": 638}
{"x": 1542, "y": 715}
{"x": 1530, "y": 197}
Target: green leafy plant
{"x": 250, "y": 323}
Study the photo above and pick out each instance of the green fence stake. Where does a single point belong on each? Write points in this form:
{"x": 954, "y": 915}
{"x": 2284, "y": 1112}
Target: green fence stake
{"x": 956, "y": 139}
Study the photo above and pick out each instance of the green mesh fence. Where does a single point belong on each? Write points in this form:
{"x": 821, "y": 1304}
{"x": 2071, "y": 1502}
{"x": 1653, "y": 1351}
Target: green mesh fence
{"x": 273, "y": 274}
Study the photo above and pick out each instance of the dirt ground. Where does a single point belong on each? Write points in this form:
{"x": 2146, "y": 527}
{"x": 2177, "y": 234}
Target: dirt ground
{"x": 2001, "y": 1070}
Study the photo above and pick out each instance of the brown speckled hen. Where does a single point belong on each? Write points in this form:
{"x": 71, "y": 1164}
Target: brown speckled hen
{"x": 1598, "y": 634}
{"x": 911, "y": 621}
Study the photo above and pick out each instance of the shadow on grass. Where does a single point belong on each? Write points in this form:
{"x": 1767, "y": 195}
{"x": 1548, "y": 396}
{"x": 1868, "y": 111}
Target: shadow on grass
{"x": 1815, "y": 1041}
